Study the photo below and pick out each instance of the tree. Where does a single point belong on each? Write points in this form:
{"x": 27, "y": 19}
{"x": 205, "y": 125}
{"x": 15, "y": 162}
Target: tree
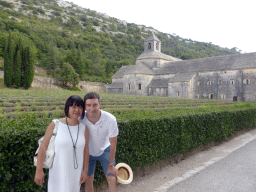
{"x": 28, "y": 68}
{"x": 52, "y": 58}
{"x": 77, "y": 60}
{"x": 68, "y": 75}
{"x": 98, "y": 66}
{"x": 18, "y": 63}
{"x": 8, "y": 61}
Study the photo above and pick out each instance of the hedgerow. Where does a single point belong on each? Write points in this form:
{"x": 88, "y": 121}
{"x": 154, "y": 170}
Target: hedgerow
{"x": 141, "y": 141}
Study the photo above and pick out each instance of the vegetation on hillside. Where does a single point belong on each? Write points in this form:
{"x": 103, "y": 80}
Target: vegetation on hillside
{"x": 94, "y": 44}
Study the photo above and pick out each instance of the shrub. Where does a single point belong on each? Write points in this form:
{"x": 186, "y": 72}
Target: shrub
{"x": 6, "y": 4}
{"x": 141, "y": 141}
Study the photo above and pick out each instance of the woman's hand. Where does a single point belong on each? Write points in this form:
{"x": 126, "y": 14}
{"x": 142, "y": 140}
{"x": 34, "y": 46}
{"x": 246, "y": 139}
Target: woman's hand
{"x": 39, "y": 178}
{"x": 83, "y": 177}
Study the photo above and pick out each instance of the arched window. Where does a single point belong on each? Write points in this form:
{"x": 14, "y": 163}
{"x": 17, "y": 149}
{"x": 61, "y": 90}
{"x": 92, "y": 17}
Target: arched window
{"x": 149, "y": 46}
{"x": 246, "y": 81}
{"x": 139, "y": 86}
{"x": 209, "y": 83}
{"x": 178, "y": 93}
{"x": 211, "y": 96}
{"x": 232, "y": 81}
{"x": 223, "y": 96}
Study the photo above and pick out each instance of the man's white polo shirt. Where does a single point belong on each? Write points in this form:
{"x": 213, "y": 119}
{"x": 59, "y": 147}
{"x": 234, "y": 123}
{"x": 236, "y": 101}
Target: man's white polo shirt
{"x": 104, "y": 128}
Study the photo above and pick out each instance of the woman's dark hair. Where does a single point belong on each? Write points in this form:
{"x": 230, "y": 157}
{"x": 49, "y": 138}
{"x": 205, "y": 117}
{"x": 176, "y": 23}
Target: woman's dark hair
{"x": 91, "y": 95}
{"x": 74, "y": 100}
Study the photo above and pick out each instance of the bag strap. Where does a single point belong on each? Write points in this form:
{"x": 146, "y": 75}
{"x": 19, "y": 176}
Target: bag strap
{"x": 54, "y": 133}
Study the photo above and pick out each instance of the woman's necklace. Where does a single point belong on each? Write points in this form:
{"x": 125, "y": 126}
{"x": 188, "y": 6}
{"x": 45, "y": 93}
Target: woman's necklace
{"x": 74, "y": 145}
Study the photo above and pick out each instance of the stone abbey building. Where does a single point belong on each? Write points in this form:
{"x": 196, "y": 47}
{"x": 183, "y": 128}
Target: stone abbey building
{"x": 230, "y": 77}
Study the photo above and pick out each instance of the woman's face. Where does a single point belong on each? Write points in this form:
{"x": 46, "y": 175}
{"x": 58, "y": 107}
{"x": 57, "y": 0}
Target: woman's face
{"x": 75, "y": 111}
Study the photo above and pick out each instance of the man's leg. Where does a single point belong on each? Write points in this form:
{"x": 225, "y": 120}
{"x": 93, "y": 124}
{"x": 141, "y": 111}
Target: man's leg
{"x": 89, "y": 183}
{"x": 104, "y": 159}
{"x": 111, "y": 183}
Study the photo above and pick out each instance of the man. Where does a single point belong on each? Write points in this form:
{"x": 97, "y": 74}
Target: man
{"x": 102, "y": 142}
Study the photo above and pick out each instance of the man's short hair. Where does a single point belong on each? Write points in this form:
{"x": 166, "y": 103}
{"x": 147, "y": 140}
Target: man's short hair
{"x": 91, "y": 95}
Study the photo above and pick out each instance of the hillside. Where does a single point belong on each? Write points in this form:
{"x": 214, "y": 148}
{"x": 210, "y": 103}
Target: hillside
{"x": 95, "y": 44}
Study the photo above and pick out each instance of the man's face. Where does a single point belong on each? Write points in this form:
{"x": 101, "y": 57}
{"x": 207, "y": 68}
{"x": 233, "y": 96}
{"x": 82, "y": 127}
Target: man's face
{"x": 92, "y": 106}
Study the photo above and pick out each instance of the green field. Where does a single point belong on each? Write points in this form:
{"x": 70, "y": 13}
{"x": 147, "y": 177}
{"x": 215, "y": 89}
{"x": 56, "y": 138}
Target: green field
{"x": 15, "y": 102}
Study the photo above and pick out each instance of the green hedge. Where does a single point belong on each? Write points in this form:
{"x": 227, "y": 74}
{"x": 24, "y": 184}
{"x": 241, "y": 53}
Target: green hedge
{"x": 140, "y": 142}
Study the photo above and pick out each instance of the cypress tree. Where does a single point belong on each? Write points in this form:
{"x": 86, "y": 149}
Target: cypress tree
{"x": 17, "y": 70}
{"x": 80, "y": 67}
{"x": 23, "y": 64}
{"x": 17, "y": 65}
{"x": 8, "y": 61}
{"x": 29, "y": 68}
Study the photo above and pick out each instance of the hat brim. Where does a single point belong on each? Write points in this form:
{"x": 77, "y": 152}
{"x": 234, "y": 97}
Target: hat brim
{"x": 128, "y": 170}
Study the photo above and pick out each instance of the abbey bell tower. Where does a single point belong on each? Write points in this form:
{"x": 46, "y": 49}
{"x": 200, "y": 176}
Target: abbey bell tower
{"x": 152, "y": 43}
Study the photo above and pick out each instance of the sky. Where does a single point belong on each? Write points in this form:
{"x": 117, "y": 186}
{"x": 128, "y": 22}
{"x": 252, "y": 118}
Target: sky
{"x": 227, "y": 23}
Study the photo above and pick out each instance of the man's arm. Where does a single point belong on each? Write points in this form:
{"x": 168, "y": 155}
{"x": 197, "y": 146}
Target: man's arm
{"x": 111, "y": 167}
{"x": 113, "y": 142}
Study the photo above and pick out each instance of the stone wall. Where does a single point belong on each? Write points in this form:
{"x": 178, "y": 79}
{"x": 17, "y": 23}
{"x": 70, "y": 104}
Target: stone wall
{"x": 178, "y": 89}
{"x": 45, "y": 83}
{"x": 40, "y": 71}
{"x": 92, "y": 87}
{"x": 133, "y": 82}
{"x": 1, "y": 74}
{"x": 48, "y": 83}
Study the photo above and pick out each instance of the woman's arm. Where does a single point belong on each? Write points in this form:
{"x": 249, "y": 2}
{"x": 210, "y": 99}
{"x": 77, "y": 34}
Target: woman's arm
{"x": 86, "y": 156}
{"x": 39, "y": 176}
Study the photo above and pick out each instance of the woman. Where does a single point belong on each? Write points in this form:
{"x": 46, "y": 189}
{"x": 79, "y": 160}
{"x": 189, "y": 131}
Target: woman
{"x": 70, "y": 164}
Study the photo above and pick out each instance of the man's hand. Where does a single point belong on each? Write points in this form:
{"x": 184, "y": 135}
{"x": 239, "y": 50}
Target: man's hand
{"x": 39, "y": 178}
{"x": 112, "y": 170}
{"x": 83, "y": 177}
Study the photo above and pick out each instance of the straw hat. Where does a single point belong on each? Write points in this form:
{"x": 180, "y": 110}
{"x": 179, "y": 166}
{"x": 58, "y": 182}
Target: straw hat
{"x": 125, "y": 173}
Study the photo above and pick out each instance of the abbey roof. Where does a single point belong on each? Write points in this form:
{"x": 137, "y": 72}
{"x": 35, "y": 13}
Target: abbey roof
{"x": 156, "y": 55}
{"x": 133, "y": 69}
{"x": 152, "y": 37}
{"x": 216, "y": 63}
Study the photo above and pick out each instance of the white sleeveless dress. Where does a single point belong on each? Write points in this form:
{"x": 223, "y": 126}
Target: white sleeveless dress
{"x": 63, "y": 177}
